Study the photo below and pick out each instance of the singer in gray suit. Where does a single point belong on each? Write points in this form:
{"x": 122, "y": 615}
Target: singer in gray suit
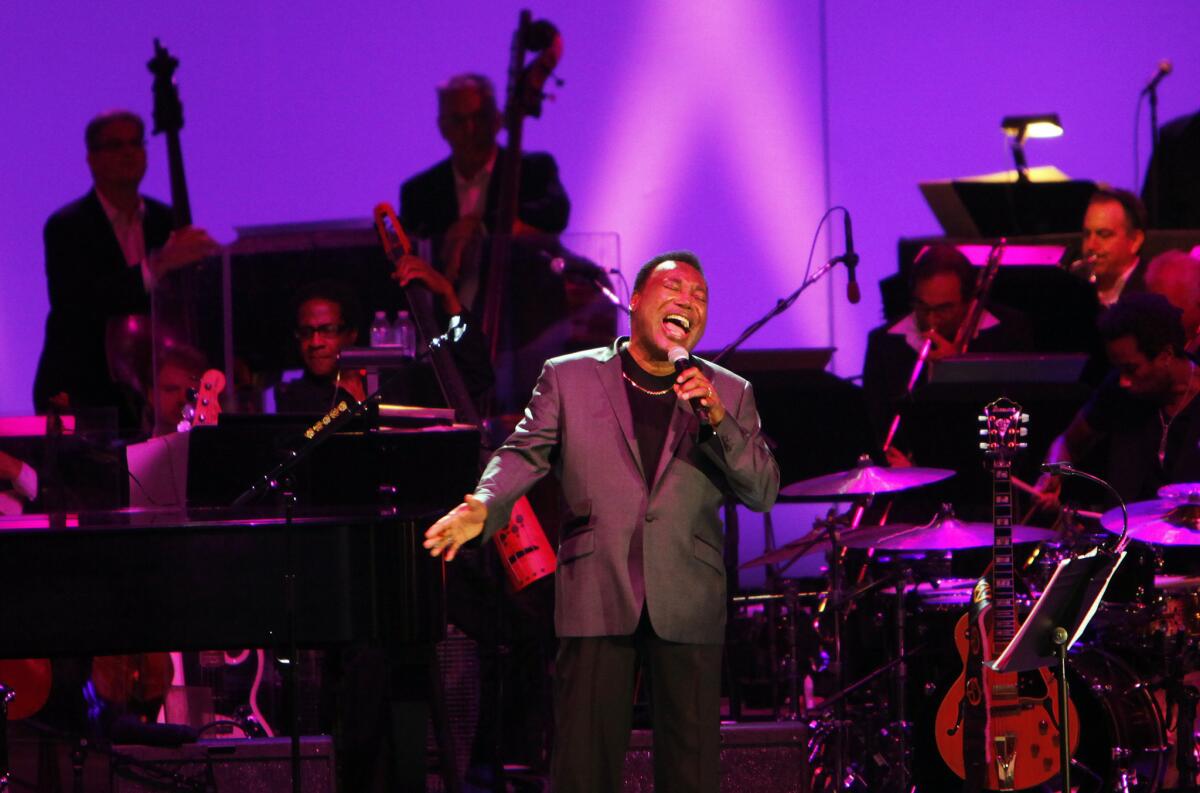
{"x": 641, "y": 573}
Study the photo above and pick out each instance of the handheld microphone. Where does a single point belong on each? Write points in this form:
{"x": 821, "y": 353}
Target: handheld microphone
{"x": 851, "y": 259}
{"x": 1164, "y": 68}
{"x": 682, "y": 361}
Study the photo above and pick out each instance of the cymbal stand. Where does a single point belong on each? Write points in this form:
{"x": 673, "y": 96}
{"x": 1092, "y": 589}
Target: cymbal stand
{"x": 901, "y": 725}
{"x": 838, "y": 601}
{"x": 6, "y": 696}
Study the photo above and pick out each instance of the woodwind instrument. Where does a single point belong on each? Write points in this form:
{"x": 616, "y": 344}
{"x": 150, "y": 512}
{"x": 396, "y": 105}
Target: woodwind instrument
{"x": 966, "y": 331}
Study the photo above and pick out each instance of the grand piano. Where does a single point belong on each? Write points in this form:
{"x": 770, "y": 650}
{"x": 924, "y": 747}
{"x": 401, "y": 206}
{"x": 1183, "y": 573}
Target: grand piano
{"x": 138, "y": 580}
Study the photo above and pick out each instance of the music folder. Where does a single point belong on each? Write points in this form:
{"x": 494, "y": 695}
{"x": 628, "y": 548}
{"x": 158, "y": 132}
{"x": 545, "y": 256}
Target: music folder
{"x": 1069, "y": 601}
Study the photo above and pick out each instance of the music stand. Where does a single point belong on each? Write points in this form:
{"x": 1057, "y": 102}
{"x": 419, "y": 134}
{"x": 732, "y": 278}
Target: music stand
{"x": 1057, "y": 621}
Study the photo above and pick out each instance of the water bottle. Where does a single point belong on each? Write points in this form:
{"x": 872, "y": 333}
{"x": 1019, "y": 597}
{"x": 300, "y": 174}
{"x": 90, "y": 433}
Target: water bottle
{"x": 381, "y": 330}
{"x": 404, "y": 334}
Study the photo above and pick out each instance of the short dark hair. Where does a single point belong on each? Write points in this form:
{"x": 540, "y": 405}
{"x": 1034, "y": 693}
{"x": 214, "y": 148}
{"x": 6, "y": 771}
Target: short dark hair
{"x": 943, "y": 260}
{"x": 687, "y": 257}
{"x": 1135, "y": 211}
{"x": 336, "y": 292}
{"x": 91, "y": 134}
{"x": 1149, "y": 318}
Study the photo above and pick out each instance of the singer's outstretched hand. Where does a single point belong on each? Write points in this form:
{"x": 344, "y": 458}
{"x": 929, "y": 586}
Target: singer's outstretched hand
{"x": 692, "y": 383}
{"x": 458, "y": 526}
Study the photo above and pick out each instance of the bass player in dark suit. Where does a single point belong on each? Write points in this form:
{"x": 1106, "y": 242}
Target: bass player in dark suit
{"x": 103, "y": 253}
{"x": 641, "y": 569}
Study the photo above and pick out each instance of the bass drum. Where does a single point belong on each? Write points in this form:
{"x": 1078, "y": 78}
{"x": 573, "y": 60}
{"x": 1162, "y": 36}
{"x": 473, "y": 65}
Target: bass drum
{"x": 1122, "y": 740}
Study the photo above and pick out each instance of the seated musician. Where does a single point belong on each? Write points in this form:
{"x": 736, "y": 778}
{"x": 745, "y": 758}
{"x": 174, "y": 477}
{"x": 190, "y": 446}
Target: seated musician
{"x": 328, "y": 316}
{"x": 1114, "y": 229}
{"x": 942, "y": 285}
{"x": 1146, "y": 409}
{"x": 1176, "y": 276}
{"x": 454, "y": 202}
{"x": 103, "y": 253}
{"x": 179, "y": 372}
{"x": 18, "y": 485}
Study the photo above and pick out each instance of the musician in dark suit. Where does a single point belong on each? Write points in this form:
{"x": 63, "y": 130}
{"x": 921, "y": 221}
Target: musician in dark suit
{"x": 942, "y": 287}
{"x": 454, "y": 202}
{"x": 641, "y": 569}
{"x": 1178, "y": 175}
{"x": 1114, "y": 230}
{"x": 103, "y": 253}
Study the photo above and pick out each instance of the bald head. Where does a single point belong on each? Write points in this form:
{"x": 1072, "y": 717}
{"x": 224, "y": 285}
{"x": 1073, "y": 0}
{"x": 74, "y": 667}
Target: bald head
{"x": 1176, "y": 276}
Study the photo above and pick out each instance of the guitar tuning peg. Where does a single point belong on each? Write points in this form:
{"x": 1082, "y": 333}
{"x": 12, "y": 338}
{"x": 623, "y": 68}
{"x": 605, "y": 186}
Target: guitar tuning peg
{"x": 981, "y": 419}
{"x": 1022, "y": 445}
{"x": 1024, "y": 418}
{"x": 984, "y": 446}
{"x": 1024, "y": 432}
{"x": 983, "y": 433}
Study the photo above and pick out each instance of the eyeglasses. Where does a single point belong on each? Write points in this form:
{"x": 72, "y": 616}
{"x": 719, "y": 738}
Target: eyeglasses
{"x": 306, "y": 332}
{"x": 116, "y": 145}
{"x": 479, "y": 117}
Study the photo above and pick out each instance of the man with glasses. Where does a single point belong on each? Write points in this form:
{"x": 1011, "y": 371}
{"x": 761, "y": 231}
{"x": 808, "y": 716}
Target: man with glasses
{"x": 103, "y": 254}
{"x": 454, "y": 202}
{"x": 328, "y": 317}
{"x": 942, "y": 286}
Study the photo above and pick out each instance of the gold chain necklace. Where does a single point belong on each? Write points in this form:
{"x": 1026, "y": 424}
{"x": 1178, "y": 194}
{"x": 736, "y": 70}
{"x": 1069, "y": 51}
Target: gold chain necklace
{"x": 645, "y": 390}
{"x": 1166, "y": 422}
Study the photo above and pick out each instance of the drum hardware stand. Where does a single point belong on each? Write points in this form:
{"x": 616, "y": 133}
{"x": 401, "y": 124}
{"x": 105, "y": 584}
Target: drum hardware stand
{"x": 900, "y": 684}
{"x": 7, "y": 695}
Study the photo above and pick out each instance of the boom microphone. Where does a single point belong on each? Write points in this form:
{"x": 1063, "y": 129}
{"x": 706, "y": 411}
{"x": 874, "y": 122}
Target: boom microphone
{"x": 851, "y": 259}
{"x": 1164, "y": 68}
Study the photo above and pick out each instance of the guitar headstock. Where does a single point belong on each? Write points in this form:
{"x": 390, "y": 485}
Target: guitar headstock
{"x": 1003, "y": 429}
{"x": 168, "y": 110}
{"x": 206, "y": 407}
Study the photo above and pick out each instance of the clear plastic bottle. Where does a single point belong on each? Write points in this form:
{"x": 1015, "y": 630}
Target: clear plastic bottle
{"x": 404, "y": 334}
{"x": 381, "y": 330}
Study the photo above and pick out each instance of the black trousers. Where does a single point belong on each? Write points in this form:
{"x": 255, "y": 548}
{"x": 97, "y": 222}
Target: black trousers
{"x": 594, "y": 688}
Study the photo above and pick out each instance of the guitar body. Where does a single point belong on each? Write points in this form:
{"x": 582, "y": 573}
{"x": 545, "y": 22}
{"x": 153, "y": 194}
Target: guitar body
{"x": 1022, "y": 721}
{"x": 29, "y": 678}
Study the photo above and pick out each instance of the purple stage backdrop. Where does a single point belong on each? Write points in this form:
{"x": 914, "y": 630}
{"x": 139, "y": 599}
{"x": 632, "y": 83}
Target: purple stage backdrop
{"x": 680, "y": 124}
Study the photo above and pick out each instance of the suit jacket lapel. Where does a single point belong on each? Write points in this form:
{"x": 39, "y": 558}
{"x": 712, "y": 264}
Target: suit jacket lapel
{"x": 103, "y": 230}
{"x": 681, "y": 418}
{"x": 609, "y": 373}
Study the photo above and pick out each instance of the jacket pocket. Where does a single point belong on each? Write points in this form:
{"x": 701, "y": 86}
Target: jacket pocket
{"x": 577, "y": 545}
{"x": 709, "y": 555}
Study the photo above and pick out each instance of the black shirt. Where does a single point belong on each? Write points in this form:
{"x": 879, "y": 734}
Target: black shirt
{"x": 1137, "y": 431}
{"x": 651, "y": 400}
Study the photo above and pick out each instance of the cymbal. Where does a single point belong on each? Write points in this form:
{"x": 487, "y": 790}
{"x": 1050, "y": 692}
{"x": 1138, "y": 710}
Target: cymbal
{"x": 866, "y": 479}
{"x": 944, "y": 533}
{"x": 809, "y": 553}
{"x": 1161, "y": 521}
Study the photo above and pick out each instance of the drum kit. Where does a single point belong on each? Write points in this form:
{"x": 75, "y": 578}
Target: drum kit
{"x": 886, "y": 591}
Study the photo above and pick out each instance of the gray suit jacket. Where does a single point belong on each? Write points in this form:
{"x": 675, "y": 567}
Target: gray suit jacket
{"x": 579, "y": 424}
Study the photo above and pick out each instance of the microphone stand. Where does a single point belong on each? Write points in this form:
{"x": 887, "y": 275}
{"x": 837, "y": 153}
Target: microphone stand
{"x": 1155, "y": 158}
{"x": 780, "y": 306}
